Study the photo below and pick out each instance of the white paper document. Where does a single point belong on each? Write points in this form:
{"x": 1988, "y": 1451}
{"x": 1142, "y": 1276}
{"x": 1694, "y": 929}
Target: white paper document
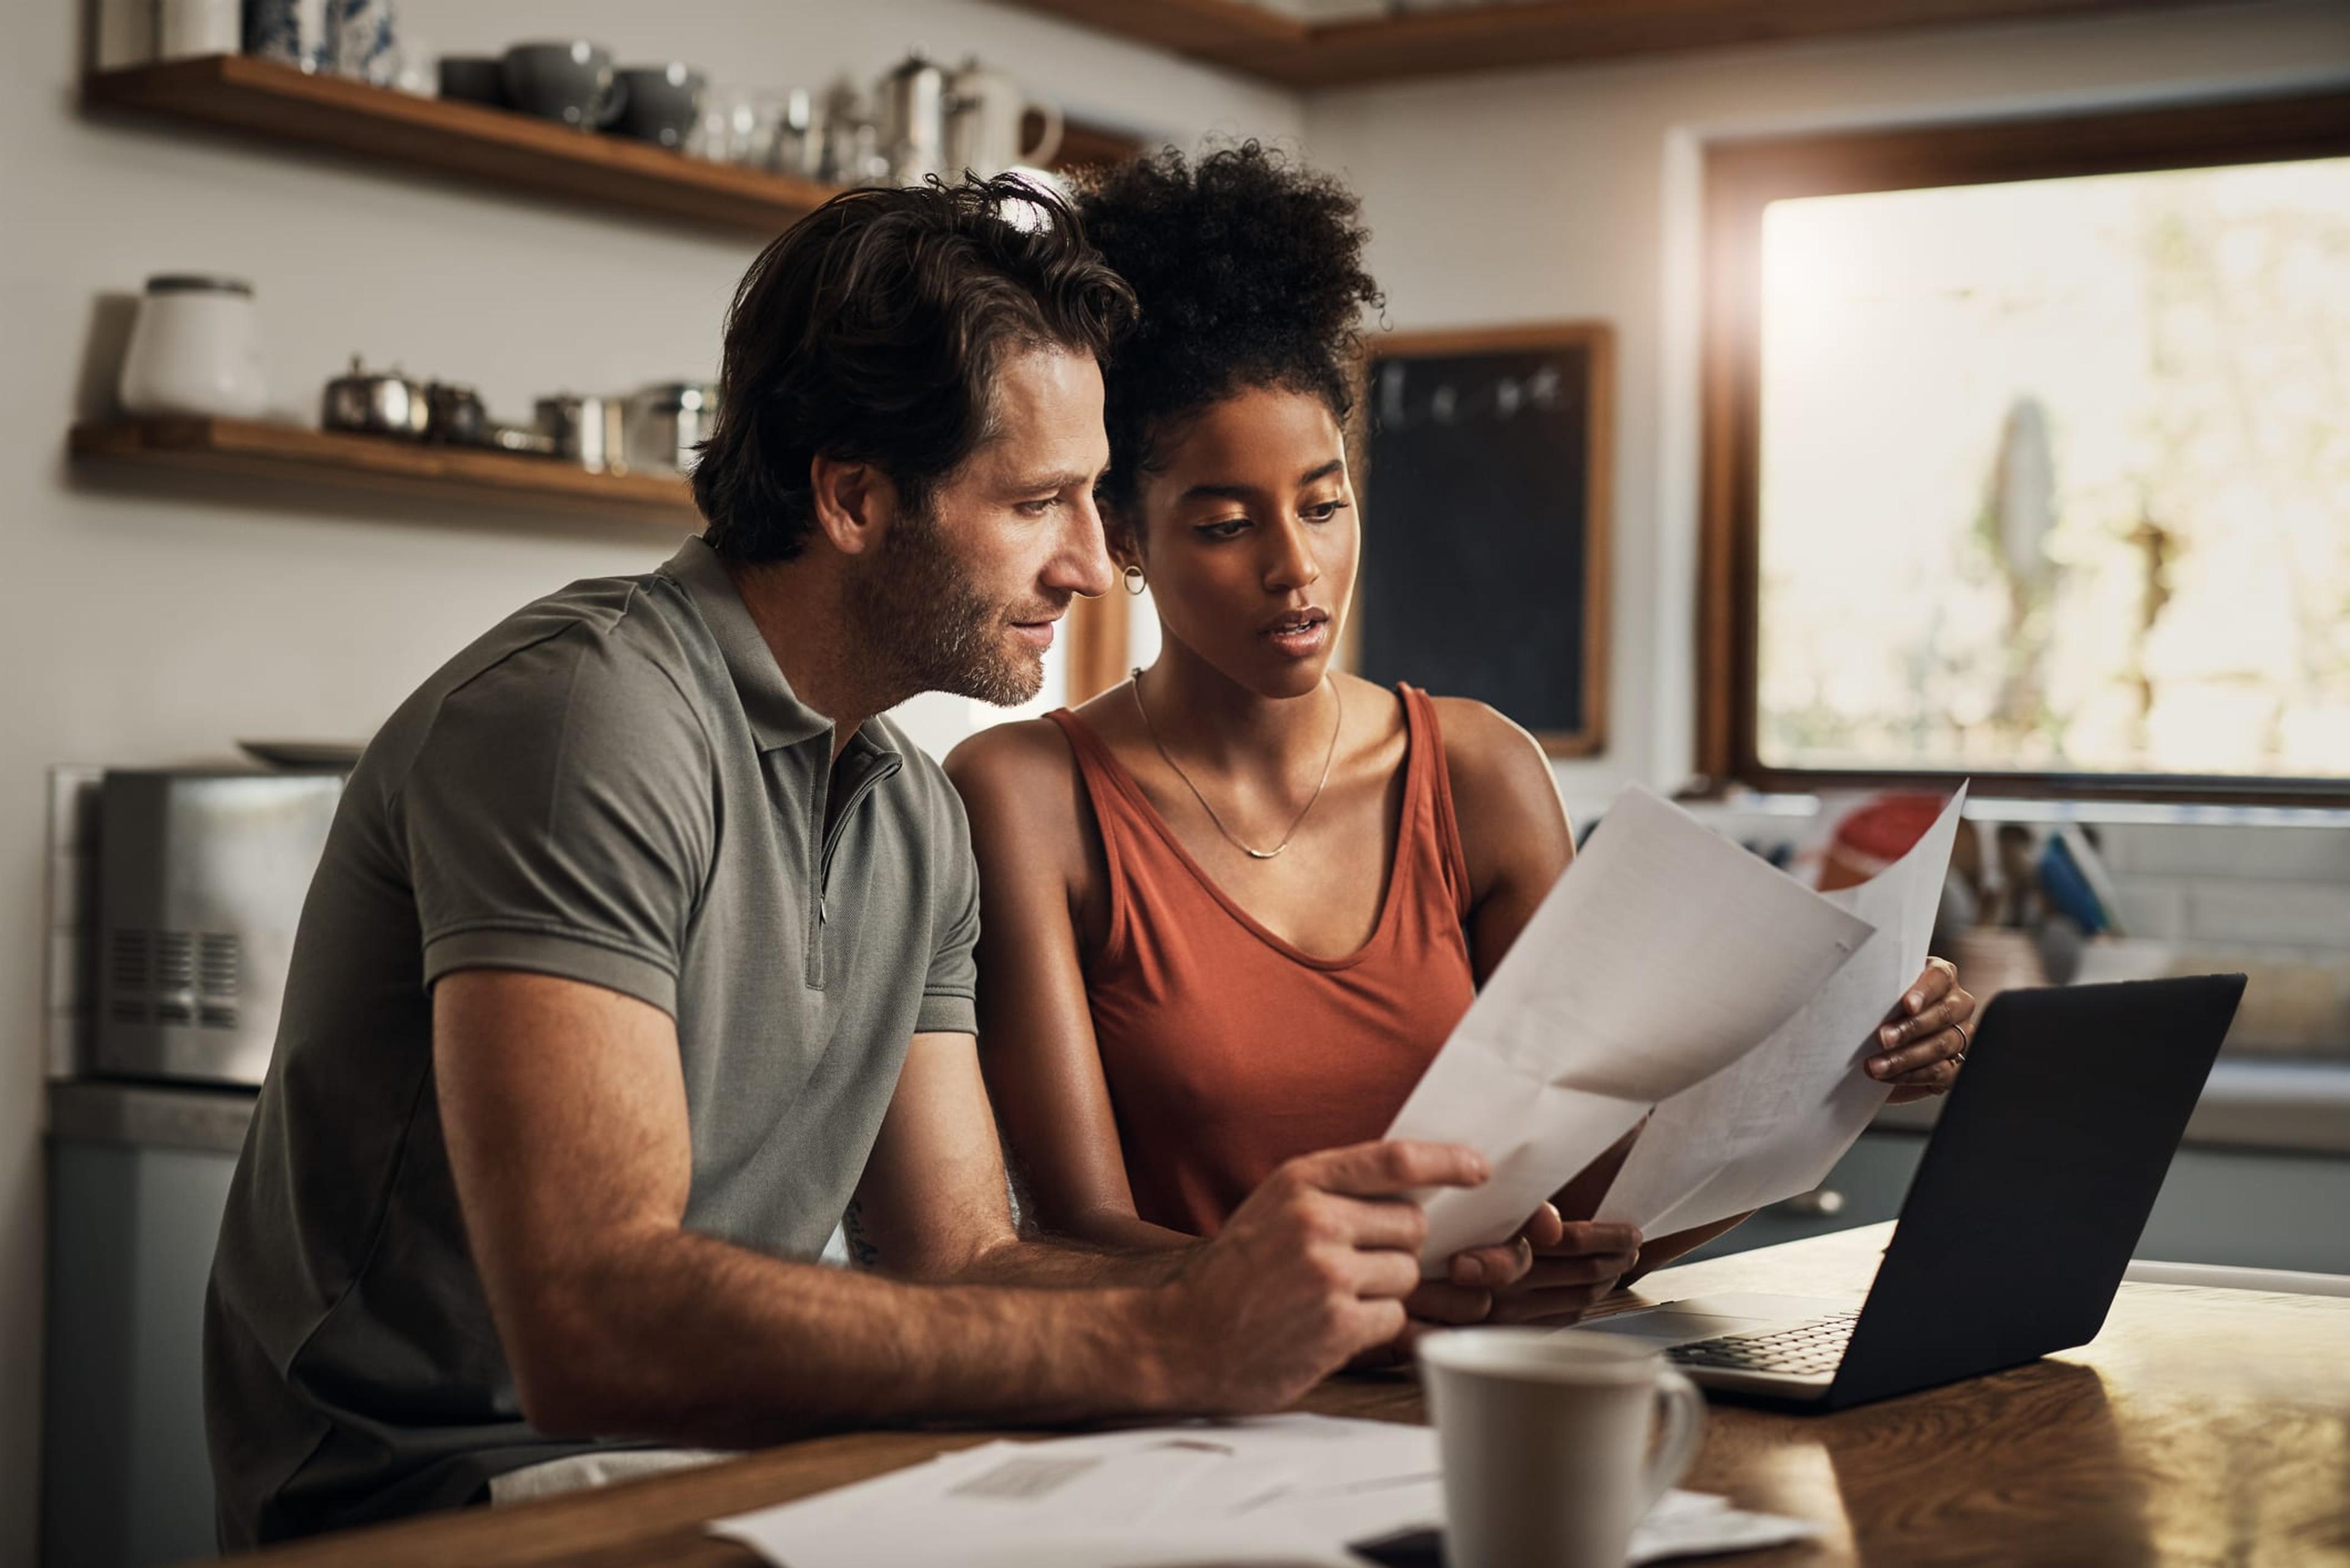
{"x": 1775, "y": 1120}
{"x": 1280, "y": 1489}
{"x": 1664, "y": 952}
{"x": 1289, "y": 1490}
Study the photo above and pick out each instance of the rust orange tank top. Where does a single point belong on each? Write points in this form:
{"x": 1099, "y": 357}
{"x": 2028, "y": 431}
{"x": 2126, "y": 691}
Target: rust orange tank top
{"x": 1229, "y": 1051}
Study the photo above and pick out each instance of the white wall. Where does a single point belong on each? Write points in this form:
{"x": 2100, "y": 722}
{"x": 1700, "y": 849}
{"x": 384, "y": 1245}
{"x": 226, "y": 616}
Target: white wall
{"x": 155, "y": 626}
{"x": 1573, "y": 193}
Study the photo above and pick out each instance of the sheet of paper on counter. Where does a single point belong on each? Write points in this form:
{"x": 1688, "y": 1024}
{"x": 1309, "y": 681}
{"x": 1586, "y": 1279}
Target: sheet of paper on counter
{"x": 1774, "y": 1121}
{"x": 1280, "y": 1489}
{"x": 1662, "y": 953}
{"x": 1268, "y": 1490}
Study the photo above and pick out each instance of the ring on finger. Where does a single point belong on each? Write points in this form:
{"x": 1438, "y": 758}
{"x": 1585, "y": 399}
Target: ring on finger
{"x": 1965, "y": 1040}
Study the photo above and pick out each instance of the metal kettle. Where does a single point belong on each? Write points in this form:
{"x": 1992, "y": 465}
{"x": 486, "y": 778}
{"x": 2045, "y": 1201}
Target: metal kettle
{"x": 912, "y": 101}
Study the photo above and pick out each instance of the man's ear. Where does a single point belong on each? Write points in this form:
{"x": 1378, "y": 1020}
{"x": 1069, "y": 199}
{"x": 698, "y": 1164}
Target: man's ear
{"x": 855, "y": 503}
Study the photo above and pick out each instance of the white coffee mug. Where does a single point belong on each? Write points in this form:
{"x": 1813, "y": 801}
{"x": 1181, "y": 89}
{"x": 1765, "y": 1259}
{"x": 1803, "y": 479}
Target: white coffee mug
{"x": 1556, "y": 1443}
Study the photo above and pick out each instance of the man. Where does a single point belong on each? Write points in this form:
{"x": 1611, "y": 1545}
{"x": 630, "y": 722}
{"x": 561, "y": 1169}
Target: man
{"x": 641, "y": 955}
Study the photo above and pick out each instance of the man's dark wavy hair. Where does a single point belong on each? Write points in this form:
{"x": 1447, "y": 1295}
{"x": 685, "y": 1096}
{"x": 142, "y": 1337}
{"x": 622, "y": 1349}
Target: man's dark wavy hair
{"x": 1249, "y": 269}
{"x": 872, "y": 330}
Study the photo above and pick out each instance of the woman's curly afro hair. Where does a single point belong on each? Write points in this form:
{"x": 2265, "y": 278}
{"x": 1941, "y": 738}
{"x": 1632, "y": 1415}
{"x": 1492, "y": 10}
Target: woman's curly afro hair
{"x": 1249, "y": 272}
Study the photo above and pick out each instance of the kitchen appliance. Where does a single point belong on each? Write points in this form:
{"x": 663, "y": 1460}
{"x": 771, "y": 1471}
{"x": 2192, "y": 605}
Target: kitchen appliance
{"x": 666, "y": 423}
{"x": 588, "y": 431}
{"x": 913, "y": 119}
{"x": 572, "y": 82}
{"x": 201, "y": 875}
{"x": 371, "y": 402}
{"x": 196, "y": 349}
{"x": 986, "y": 112}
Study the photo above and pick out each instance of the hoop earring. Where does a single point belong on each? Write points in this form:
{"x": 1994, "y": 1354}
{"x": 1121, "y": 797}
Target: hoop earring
{"x": 1134, "y": 584}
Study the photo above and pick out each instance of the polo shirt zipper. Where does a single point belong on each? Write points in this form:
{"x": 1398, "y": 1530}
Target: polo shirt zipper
{"x": 882, "y": 771}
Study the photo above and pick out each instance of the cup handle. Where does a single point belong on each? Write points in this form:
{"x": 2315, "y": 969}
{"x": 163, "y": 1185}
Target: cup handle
{"x": 1681, "y": 1417}
{"x": 1041, "y": 155}
{"x": 615, "y": 98}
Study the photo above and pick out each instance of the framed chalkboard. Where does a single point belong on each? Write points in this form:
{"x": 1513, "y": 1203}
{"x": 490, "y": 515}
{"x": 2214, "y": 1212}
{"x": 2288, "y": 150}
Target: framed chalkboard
{"x": 1486, "y": 513}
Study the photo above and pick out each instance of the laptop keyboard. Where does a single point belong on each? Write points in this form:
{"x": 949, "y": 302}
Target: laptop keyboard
{"x": 1802, "y": 1349}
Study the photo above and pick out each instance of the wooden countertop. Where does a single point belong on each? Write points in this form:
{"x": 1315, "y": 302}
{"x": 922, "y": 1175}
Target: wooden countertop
{"x": 2202, "y": 1425}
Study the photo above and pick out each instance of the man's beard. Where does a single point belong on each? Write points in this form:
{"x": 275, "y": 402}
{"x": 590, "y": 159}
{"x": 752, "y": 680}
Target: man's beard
{"x": 927, "y": 628}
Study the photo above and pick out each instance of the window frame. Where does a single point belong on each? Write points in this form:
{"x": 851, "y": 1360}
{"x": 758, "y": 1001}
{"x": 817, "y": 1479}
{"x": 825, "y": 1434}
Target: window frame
{"x": 1743, "y": 178}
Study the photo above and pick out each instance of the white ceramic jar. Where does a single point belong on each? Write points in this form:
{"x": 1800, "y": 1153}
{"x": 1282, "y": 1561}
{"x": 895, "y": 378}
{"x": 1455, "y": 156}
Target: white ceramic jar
{"x": 184, "y": 28}
{"x": 195, "y": 348}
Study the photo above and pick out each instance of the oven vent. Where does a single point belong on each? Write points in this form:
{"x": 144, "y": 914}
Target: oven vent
{"x": 175, "y": 960}
{"x": 217, "y": 963}
{"x": 126, "y": 961}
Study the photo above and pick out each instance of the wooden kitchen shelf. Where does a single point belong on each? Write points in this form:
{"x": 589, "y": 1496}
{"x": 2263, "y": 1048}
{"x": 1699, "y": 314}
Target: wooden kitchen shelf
{"x": 1513, "y": 33}
{"x": 381, "y": 465}
{"x": 491, "y": 146}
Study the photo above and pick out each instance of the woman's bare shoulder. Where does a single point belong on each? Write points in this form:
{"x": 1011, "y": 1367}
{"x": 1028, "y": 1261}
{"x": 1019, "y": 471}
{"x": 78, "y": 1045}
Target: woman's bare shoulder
{"x": 1496, "y": 767}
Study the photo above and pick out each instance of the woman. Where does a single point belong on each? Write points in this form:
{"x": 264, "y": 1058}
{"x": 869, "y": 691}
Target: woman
{"x": 1235, "y": 905}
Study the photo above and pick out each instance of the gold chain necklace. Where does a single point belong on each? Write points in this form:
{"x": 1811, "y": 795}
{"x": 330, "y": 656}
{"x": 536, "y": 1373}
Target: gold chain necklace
{"x": 1134, "y": 683}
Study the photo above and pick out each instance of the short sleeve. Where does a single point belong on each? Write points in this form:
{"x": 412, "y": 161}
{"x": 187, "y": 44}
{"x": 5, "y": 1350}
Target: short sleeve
{"x": 950, "y": 991}
{"x": 561, "y": 818}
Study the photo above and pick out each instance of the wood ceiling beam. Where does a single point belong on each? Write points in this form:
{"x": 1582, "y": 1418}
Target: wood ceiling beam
{"x": 1247, "y": 38}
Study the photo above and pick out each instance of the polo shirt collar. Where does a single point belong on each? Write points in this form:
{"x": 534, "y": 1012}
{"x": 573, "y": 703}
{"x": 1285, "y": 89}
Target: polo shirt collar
{"x": 777, "y": 717}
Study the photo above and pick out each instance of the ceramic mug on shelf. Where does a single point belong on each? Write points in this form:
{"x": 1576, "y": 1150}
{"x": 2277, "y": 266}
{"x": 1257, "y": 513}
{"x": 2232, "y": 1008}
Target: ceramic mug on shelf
{"x": 986, "y": 115}
{"x": 196, "y": 349}
{"x": 573, "y": 82}
{"x": 1556, "y": 1443}
{"x": 662, "y": 103}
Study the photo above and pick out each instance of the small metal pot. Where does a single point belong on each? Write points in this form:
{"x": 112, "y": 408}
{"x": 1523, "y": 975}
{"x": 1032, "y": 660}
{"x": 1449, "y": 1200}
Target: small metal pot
{"x": 587, "y": 431}
{"x": 668, "y": 422}
{"x": 454, "y": 415}
{"x": 370, "y": 402}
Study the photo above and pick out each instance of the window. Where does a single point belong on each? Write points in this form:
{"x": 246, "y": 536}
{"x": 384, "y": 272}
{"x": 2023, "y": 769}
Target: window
{"x": 2028, "y": 455}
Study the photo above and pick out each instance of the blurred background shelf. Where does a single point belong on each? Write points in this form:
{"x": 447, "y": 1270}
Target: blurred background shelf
{"x": 495, "y": 146}
{"x": 491, "y": 146}
{"x": 293, "y": 455}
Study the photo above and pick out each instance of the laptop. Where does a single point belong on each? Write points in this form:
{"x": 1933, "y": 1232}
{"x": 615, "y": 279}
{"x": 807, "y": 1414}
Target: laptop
{"x": 2032, "y": 1193}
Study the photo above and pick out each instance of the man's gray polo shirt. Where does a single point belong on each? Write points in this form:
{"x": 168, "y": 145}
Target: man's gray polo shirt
{"x": 615, "y": 785}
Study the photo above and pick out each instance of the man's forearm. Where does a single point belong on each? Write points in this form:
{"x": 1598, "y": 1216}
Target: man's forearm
{"x": 688, "y": 1339}
{"x": 1056, "y": 1261}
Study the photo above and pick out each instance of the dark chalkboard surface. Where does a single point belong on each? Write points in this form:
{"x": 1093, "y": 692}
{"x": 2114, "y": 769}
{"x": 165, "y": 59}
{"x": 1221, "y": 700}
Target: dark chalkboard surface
{"x": 1485, "y": 523}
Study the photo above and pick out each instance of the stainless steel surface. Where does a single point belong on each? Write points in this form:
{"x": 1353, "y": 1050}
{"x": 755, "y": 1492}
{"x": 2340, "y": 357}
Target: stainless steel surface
{"x": 369, "y": 402}
{"x": 912, "y": 115}
{"x": 208, "y": 1120}
{"x": 202, "y": 876}
{"x": 667, "y": 422}
{"x": 454, "y": 415}
{"x": 588, "y": 431}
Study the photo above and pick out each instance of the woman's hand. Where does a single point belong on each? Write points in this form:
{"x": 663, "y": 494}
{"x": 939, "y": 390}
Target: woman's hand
{"x": 1575, "y": 1262}
{"x": 1922, "y": 1045}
